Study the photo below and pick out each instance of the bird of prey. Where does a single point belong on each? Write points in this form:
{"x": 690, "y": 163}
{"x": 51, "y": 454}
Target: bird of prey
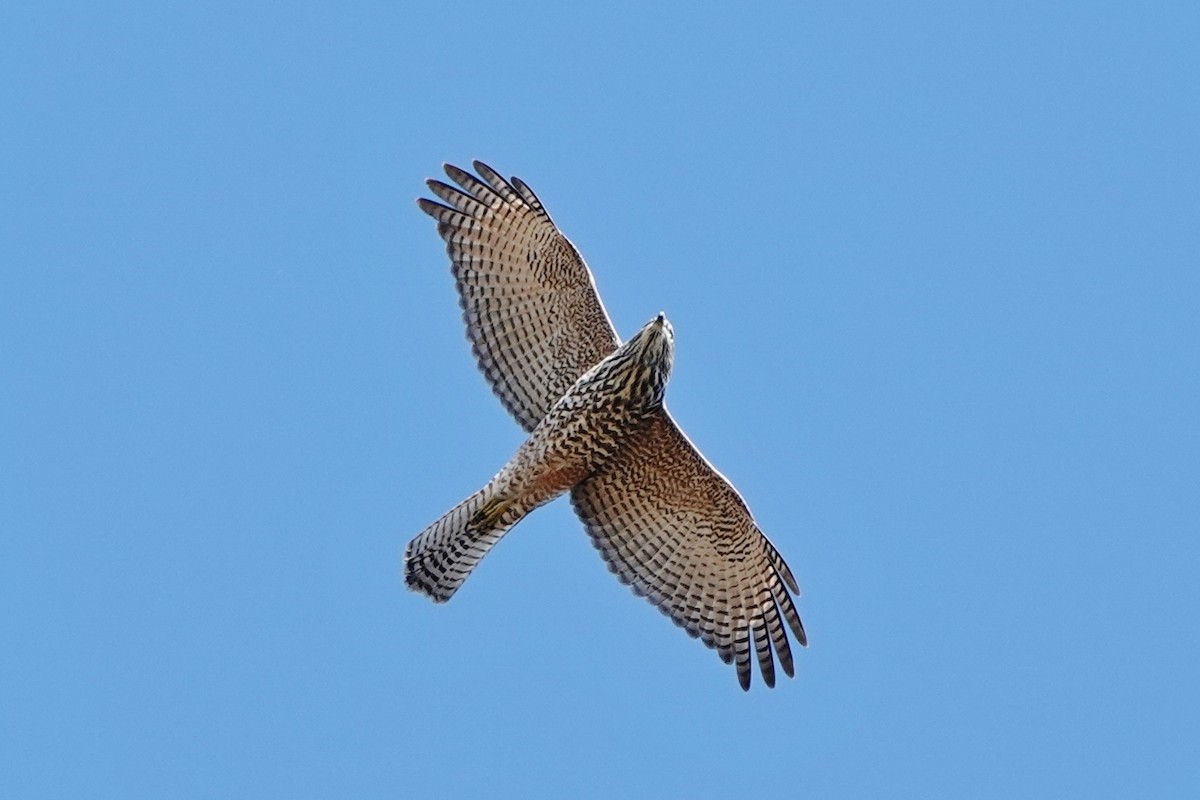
{"x": 663, "y": 518}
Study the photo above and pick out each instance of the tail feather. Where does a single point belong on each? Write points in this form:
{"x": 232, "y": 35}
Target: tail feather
{"x": 439, "y": 559}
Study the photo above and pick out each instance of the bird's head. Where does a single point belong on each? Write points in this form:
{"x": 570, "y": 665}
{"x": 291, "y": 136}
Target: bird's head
{"x": 654, "y": 349}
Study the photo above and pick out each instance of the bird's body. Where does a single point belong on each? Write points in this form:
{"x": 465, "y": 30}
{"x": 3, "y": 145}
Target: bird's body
{"x": 663, "y": 518}
{"x": 584, "y": 430}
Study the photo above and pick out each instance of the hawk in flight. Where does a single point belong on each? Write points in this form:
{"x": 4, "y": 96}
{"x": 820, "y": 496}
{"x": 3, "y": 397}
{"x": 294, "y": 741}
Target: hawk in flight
{"x": 664, "y": 519}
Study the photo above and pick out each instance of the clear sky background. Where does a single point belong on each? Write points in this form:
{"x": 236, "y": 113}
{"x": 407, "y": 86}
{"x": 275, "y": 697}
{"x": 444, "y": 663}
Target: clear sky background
{"x": 934, "y": 272}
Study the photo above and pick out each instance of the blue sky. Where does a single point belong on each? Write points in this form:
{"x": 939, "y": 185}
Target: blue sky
{"x": 933, "y": 273}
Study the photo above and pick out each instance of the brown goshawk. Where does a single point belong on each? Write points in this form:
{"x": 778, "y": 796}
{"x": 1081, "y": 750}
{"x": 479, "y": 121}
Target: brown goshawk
{"x": 664, "y": 519}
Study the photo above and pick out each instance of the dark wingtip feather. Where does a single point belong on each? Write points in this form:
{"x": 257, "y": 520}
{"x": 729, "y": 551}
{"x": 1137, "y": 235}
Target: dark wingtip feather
{"x": 433, "y": 208}
{"x": 457, "y": 173}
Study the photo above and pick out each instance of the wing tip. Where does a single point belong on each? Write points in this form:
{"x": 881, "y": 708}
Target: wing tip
{"x": 433, "y": 208}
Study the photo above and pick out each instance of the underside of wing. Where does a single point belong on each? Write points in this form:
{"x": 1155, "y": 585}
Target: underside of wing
{"x": 675, "y": 530}
{"x": 533, "y": 316}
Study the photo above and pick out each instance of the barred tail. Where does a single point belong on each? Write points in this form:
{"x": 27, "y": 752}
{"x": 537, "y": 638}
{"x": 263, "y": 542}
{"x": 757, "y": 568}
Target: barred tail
{"x": 441, "y": 557}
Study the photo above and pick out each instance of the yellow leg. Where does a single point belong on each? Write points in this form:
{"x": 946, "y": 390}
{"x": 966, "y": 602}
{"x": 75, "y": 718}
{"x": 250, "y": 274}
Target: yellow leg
{"x": 489, "y": 514}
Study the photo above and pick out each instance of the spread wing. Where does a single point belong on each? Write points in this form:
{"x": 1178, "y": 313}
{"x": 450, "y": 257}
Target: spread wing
{"x": 529, "y": 301}
{"x": 673, "y": 528}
